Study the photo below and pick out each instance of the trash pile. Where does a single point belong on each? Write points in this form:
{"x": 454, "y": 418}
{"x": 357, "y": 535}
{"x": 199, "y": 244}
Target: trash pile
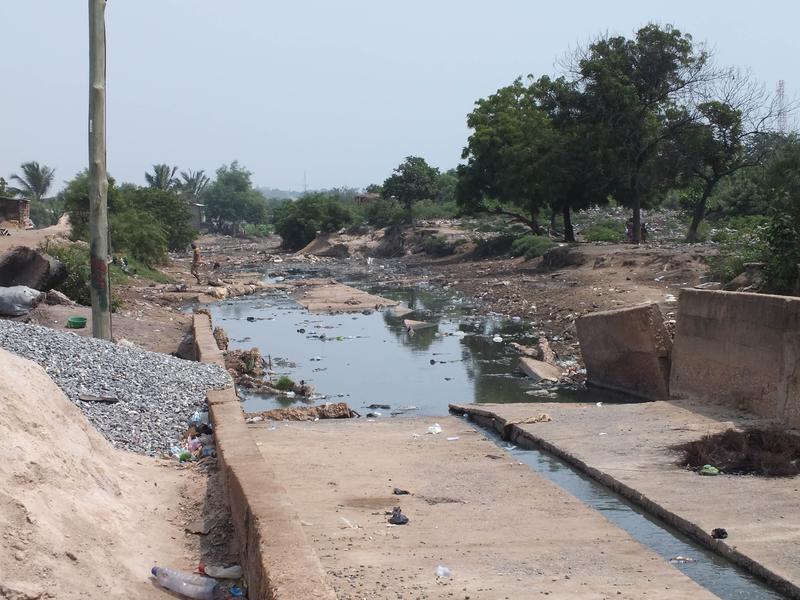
{"x": 210, "y": 582}
{"x": 198, "y": 441}
{"x": 337, "y": 410}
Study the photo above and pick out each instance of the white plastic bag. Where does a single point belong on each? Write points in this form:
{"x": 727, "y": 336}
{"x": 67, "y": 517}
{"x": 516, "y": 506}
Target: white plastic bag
{"x": 18, "y": 300}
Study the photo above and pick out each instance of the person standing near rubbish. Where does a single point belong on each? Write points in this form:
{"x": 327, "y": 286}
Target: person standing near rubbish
{"x": 196, "y": 259}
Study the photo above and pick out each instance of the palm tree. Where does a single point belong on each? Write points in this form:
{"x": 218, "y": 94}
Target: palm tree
{"x": 35, "y": 180}
{"x": 193, "y": 184}
{"x": 162, "y": 178}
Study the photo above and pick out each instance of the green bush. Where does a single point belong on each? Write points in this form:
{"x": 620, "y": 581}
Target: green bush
{"x": 605, "y": 230}
{"x": 298, "y": 222}
{"x": 284, "y": 383}
{"x": 531, "y": 246}
{"x": 79, "y": 273}
{"x": 384, "y": 213}
{"x": 429, "y": 210}
{"x": 742, "y": 242}
{"x": 138, "y": 234}
{"x": 493, "y": 246}
{"x": 438, "y": 245}
{"x": 257, "y": 230}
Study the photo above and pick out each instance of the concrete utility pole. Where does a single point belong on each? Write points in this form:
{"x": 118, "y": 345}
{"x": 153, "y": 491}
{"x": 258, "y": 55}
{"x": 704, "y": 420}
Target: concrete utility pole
{"x": 98, "y": 178}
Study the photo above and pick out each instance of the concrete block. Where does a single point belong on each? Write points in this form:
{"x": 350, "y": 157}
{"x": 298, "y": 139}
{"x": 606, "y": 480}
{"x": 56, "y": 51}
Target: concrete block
{"x": 627, "y": 350}
{"x": 538, "y": 370}
{"x": 740, "y": 350}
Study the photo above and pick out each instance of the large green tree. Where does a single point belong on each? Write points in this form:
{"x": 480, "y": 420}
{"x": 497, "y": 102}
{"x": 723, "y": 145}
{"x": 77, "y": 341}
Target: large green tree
{"x": 511, "y": 157}
{"x": 35, "y": 180}
{"x": 414, "y": 179}
{"x": 636, "y": 93}
{"x": 231, "y": 199}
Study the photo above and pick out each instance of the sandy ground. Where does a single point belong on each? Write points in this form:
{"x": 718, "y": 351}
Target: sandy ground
{"x": 630, "y": 442}
{"x": 329, "y": 296}
{"x": 503, "y": 530}
{"x": 33, "y": 237}
{"x": 80, "y": 519}
{"x": 155, "y": 328}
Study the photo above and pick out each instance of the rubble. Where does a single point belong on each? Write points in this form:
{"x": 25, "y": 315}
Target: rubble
{"x": 339, "y": 410}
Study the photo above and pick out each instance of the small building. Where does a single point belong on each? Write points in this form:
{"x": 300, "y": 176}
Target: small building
{"x": 198, "y": 212}
{"x": 367, "y": 198}
{"x": 16, "y": 210}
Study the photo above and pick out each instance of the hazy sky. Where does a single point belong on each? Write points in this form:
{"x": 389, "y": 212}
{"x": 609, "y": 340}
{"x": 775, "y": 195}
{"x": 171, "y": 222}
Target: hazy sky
{"x": 339, "y": 89}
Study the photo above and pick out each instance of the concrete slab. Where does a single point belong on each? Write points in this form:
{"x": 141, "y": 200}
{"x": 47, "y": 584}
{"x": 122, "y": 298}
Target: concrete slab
{"x": 625, "y": 446}
{"x": 503, "y": 530}
{"x": 627, "y": 350}
{"x": 538, "y": 370}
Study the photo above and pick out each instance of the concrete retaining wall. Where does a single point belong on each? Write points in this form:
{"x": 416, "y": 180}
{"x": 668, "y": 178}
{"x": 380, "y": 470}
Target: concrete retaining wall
{"x": 741, "y": 350}
{"x": 279, "y": 562}
{"x": 627, "y": 350}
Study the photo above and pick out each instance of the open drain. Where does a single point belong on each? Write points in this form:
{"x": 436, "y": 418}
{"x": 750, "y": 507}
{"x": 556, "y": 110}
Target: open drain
{"x": 713, "y": 572}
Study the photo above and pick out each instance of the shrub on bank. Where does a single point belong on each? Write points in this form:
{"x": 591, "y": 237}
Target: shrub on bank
{"x": 531, "y": 246}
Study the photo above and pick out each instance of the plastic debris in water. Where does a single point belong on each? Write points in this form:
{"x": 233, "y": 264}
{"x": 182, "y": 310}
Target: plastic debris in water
{"x": 497, "y": 338}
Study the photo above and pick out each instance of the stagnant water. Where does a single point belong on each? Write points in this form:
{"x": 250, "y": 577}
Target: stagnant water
{"x": 368, "y": 359}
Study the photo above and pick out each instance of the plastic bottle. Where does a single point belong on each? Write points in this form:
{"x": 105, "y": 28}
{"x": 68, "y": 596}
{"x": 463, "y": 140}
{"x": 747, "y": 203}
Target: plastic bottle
{"x": 187, "y": 584}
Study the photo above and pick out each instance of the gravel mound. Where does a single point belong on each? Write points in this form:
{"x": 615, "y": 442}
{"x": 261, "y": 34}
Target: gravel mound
{"x": 157, "y": 393}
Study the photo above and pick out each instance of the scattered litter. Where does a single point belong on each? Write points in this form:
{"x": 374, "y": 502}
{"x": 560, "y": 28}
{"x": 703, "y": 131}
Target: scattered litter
{"x": 92, "y": 398}
{"x": 709, "y": 470}
{"x": 290, "y": 394}
{"x": 373, "y": 415}
{"x": 602, "y": 433}
{"x": 399, "y": 492}
{"x": 236, "y": 591}
{"x": 719, "y": 533}
{"x": 435, "y": 428}
{"x": 540, "y": 418}
{"x": 232, "y": 572}
{"x": 497, "y": 339}
{"x": 442, "y": 571}
{"x": 460, "y": 333}
{"x": 494, "y": 456}
{"x": 186, "y": 584}
{"x": 398, "y": 518}
{"x": 453, "y": 439}
{"x": 348, "y": 523}
{"x": 681, "y": 560}
{"x": 599, "y": 404}
{"x": 381, "y": 406}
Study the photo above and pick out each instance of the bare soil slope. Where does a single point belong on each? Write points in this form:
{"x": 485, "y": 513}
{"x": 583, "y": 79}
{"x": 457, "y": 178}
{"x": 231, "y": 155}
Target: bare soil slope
{"x": 78, "y": 518}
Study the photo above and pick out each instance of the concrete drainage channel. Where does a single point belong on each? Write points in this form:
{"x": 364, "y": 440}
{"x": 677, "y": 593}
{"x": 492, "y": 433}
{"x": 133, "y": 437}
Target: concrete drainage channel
{"x": 715, "y": 573}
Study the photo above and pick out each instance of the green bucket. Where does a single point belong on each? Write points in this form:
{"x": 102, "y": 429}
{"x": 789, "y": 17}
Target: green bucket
{"x": 76, "y": 322}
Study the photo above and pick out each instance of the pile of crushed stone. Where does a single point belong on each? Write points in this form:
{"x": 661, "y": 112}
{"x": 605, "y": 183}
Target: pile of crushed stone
{"x": 151, "y": 396}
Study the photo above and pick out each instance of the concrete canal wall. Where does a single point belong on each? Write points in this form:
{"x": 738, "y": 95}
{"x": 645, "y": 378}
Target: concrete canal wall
{"x": 740, "y": 350}
{"x": 279, "y": 562}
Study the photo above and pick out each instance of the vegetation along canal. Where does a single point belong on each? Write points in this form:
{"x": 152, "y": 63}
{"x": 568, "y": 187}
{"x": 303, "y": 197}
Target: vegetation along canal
{"x": 370, "y": 359}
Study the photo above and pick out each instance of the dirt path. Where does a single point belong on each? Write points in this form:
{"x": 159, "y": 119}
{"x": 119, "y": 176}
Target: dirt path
{"x": 502, "y": 530}
{"x": 629, "y": 444}
{"x": 33, "y": 237}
